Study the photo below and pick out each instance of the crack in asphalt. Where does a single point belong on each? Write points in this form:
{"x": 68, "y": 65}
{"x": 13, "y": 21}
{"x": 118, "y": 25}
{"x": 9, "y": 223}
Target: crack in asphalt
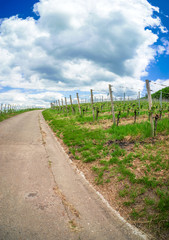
{"x": 69, "y": 208}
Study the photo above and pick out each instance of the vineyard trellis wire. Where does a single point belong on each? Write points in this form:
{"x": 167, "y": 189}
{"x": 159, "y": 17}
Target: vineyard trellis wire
{"x": 116, "y": 103}
{"x": 6, "y": 108}
{"x": 10, "y": 108}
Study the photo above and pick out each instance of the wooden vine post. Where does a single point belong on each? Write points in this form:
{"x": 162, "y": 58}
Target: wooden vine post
{"x": 150, "y": 106}
{"x": 62, "y": 105}
{"x": 112, "y": 105}
{"x": 139, "y": 101}
{"x": 59, "y": 104}
{"x": 78, "y": 103}
{"x": 1, "y": 107}
{"x": 161, "y": 100}
{"x": 66, "y": 104}
{"x": 91, "y": 92}
{"x": 73, "y": 111}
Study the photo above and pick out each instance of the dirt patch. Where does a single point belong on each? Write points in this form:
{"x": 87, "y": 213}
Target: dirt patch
{"x": 107, "y": 123}
{"x": 130, "y": 120}
{"x": 128, "y": 144}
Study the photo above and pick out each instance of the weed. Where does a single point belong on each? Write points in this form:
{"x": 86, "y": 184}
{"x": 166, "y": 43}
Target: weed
{"x": 142, "y": 190}
{"x": 133, "y": 194}
{"x": 123, "y": 193}
{"x": 129, "y": 203}
{"x": 120, "y": 178}
{"x": 163, "y": 204}
{"x": 134, "y": 214}
{"x": 149, "y": 201}
{"x": 118, "y": 152}
{"x": 50, "y": 163}
{"x": 113, "y": 160}
{"x": 90, "y": 159}
{"x": 108, "y": 180}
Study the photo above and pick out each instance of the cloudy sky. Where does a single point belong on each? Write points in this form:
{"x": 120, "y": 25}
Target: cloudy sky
{"x": 51, "y": 48}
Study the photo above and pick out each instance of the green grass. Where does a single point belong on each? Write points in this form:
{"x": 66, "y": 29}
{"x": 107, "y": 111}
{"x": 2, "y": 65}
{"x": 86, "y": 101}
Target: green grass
{"x": 116, "y": 164}
{"x": 149, "y": 201}
{"x": 142, "y": 130}
{"x": 10, "y": 114}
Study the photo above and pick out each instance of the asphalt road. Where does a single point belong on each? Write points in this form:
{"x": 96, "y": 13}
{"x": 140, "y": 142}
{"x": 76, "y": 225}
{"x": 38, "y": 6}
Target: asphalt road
{"x": 42, "y": 196}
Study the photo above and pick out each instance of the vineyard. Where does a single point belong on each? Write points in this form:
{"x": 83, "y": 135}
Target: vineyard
{"x": 119, "y": 154}
{"x": 8, "y": 111}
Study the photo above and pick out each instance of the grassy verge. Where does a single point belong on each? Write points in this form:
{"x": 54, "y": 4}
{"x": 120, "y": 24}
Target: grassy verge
{"x": 125, "y": 163}
{"x": 7, "y": 115}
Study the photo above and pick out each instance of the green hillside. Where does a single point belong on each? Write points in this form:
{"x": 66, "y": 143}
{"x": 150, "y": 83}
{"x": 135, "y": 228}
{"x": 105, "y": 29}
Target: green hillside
{"x": 165, "y": 93}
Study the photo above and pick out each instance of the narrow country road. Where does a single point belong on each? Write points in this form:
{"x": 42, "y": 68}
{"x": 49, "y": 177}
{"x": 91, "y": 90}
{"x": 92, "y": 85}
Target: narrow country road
{"x": 42, "y": 196}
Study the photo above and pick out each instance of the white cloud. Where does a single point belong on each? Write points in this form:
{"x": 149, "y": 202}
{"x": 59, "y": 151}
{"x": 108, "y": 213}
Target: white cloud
{"x": 158, "y": 84}
{"x": 78, "y": 44}
{"x": 166, "y": 45}
{"x": 161, "y": 49}
{"x": 19, "y": 97}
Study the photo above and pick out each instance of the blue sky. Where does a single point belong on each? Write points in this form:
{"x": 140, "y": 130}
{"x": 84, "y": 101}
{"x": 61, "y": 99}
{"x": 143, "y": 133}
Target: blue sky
{"x": 159, "y": 68}
{"x": 18, "y": 7}
{"x": 51, "y": 48}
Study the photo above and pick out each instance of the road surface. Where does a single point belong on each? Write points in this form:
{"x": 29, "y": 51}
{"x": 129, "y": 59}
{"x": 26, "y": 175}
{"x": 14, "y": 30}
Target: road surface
{"x": 42, "y": 196}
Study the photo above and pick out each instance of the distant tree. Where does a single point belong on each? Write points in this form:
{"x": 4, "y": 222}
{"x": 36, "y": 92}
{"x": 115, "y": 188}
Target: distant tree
{"x": 165, "y": 93}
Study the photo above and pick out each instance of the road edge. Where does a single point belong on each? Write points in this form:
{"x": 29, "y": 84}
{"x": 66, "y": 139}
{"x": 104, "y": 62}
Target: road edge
{"x": 135, "y": 231}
